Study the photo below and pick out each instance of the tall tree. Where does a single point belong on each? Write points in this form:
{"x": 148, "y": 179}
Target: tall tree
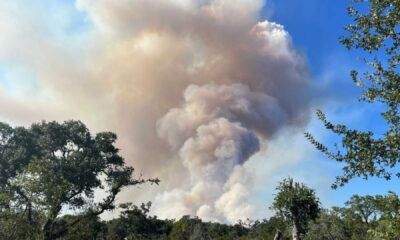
{"x": 297, "y": 204}
{"x": 375, "y": 30}
{"x": 60, "y": 166}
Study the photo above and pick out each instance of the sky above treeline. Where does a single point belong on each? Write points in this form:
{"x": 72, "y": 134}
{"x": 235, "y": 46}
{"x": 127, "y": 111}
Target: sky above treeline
{"x": 211, "y": 96}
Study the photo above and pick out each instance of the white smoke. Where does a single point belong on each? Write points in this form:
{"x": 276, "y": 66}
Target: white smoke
{"x": 220, "y": 126}
{"x": 215, "y": 132}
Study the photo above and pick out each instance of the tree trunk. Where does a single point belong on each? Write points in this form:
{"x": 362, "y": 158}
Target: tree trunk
{"x": 278, "y": 235}
{"x": 295, "y": 231}
{"x": 48, "y": 230}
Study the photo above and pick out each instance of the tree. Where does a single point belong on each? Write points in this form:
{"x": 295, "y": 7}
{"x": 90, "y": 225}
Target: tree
{"x": 389, "y": 204}
{"x": 193, "y": 228}
{"x": 375, "y": 31}
{"x": 297, "y": 204}
{"x": 135, "y": 223}
{"x": 363, "y": 207}
{"x": 51, "y": 166}
{"x": 16, "y": 150}
{"x": 88, "y": 228}
{"x": 388, "y": 226}
{"x": 269, "y": 229}
{"x": 328, "y": 226}
{"x": 360, "y": 215}
{"x": 372, "y": 217}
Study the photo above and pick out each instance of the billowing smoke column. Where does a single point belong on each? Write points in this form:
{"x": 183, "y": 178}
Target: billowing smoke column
{"x": 215, "y": 133}
{"x": 219, "y": 126}
{"x": 193, "y": 88}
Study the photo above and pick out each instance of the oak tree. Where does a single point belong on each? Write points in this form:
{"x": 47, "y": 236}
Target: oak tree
{"x": 51, "y": 167}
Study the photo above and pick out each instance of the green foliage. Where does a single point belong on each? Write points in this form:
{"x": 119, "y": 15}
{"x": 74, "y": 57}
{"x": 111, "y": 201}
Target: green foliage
{"x": 387, "y": 228}
{"x": 184, "y": 228}
{"x": 194, "y": 229}
{"x": 16, "y": 150}
{"x": 88, "y": 228}
{"x": 267, "y": 229}
{"x": 363, "y": 217}
{"x": 297, "y": 204}
{"x": 20, "y": 225}
{"x": 329, "y": 226}
{"x": 137, "y": 224}
{"x": 375, "y": 31}
{"x": 51, "y": 166}
{"x": 346, "y": 223}
{"x": 363, "y": 208}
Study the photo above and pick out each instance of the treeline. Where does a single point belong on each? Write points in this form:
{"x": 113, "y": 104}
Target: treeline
{"x": 362, "y": 217}
{"x": 52, "y": 167}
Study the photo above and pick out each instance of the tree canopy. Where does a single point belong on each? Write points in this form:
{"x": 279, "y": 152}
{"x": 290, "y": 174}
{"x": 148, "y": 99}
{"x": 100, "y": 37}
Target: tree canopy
{"x": 297, "y": 204}
{"x": 50, "y": 167}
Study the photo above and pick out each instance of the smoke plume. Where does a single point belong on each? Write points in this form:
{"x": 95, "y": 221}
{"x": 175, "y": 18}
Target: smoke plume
{"x": 193, "y": 89}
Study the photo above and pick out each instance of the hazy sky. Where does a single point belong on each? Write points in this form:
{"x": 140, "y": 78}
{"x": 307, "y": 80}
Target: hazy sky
{"x": 211, "y": 96}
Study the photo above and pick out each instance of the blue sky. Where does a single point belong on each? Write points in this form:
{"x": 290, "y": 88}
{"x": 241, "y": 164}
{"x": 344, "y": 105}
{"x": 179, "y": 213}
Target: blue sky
{"x": 315, "y": 27}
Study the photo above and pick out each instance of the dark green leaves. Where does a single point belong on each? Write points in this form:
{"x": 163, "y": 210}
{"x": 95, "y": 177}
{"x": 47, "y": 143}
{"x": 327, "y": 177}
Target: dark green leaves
{"x": 296, "y": 203}
{"x": 53, "y": 166}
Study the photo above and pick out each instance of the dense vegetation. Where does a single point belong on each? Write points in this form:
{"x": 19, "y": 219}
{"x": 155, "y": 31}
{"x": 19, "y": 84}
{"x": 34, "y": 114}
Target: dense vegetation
{"x": 367, "y": 217}
{"x": 49, "y": 168}
{"x": 50, "y": 172}
{"x": 363, "y": 217}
